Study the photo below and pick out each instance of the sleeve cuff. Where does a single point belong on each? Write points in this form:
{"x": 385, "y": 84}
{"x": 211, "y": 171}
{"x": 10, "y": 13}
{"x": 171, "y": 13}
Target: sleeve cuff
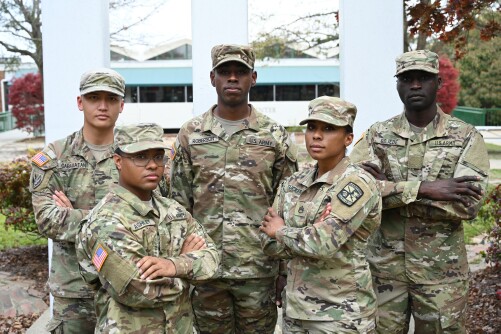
{"x": 183, "y": 264}
{"x": 411, "y": 189}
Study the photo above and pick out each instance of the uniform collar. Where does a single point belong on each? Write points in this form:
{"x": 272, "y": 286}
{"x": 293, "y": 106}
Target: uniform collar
{"x": 211, "y": 124}
{"x": 330, "y": 177}
{"x": 436, "y": 128}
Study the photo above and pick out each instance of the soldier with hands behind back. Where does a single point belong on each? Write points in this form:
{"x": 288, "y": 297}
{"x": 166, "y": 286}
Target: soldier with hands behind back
{"x": 226, "y": 167}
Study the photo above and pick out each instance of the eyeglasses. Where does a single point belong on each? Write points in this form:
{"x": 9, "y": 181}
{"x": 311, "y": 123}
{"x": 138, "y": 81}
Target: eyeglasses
{"x": 142, "y": 160}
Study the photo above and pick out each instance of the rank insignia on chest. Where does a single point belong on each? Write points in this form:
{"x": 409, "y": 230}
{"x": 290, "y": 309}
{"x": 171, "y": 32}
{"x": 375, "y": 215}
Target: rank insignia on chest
{"x": 350, "y": 194}
{"x": 40, "y": 159}
{"x": 99, "y": 257}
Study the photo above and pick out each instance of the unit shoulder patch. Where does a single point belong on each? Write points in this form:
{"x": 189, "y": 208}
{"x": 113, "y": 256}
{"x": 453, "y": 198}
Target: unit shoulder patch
{"x": 350, "y": 194}
{"x": 36, "y": 179}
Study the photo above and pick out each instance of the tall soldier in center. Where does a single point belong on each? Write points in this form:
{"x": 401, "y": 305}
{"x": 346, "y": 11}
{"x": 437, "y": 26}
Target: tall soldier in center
{"x": 226, "y": 167}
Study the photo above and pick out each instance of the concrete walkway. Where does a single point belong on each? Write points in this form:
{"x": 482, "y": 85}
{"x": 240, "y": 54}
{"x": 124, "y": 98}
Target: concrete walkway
{"x": 16, "y": 143}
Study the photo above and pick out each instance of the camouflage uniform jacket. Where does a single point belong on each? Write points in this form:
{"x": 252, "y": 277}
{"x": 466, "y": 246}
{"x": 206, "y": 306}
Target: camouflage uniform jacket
{"x": 68, "y": 165}
{"x": 422, "y": 240}
{"x": 126, "y": 229}
{"x": 328, "y": 275}
{"x": 228, "y": 182}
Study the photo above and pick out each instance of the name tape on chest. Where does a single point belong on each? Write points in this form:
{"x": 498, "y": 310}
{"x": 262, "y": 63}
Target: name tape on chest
{"x": 204, "y": 140}
{"x": 390, "y": 141}
{"x": 142, "y": 224}
{"x": 73, "y": 165}
{"x": 100, "y": 255}
{"x": 350, "y": 194}
{"x": 260, "y": 141}
{"x": 444, "y": 143}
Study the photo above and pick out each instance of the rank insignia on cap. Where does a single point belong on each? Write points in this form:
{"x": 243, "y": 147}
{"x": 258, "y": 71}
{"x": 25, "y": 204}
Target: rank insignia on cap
{"x": 172, "y": 152}
{"x": 40, "y": 159}
{"x": 99, "y": 257}
{"x": 350, "y": 194}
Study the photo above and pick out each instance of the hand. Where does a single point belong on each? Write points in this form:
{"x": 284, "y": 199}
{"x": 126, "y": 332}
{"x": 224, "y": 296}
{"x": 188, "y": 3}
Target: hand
{"x": 151, "y": 267}
{"x": 456, "y": 189}
{"x": 325, "y": 213}
{"x": 193, "y": 243}
{"x": 61, "y": 200}
{"x": 280, "y": 284}
{"x": 272, "y": 223}
{"x": 374, "y": 170}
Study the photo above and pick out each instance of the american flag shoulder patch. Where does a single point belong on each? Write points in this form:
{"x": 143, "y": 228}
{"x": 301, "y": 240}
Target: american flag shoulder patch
{"x": 173, "y": 151}
{"x": 100, "y": 255}
{"x": 40, "y": 159}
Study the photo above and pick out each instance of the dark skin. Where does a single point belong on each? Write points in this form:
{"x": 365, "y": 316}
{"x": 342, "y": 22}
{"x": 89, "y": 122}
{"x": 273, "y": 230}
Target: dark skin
{"x": 418, "y": 92}
{"x": 233, "y": 81}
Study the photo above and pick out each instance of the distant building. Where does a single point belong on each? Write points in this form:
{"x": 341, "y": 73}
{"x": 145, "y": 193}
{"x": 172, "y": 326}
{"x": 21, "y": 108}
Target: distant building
{"x": 159, "y": 83}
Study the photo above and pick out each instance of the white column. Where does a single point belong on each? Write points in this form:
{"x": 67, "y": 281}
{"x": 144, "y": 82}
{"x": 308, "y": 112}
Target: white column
{"x": 75, "y": 39}
{"x": 213, "y": 22}
{"x": 371, "y": 37}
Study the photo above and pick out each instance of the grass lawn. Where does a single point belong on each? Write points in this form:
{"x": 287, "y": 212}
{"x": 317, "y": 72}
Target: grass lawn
{"x": 11, "y": 239}
{"x": 493, "y": 148}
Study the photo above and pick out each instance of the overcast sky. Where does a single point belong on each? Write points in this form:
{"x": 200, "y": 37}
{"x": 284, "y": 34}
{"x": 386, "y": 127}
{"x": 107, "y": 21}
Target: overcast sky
{"x": 171, "y": 18}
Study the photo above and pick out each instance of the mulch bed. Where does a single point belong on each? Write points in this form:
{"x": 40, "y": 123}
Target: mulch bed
{"x": 484, "y": 301}
{"x": 25, "y": 263}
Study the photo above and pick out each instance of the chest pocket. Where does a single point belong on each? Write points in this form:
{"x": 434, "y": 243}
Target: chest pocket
{"x": 441, "y": 158}
{"x": 172, "y": 235}
{"x": 392, "y": 153}
{"x": 258, "y": 153}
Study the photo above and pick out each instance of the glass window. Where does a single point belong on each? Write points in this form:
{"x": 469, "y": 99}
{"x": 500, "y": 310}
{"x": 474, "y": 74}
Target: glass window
{"x": 130, "y": 94}
{"x": 261, "y": 93}
{"x": 189, "y": 90}
{"x": 181, "y": 52}
{"x": 161, "y": 94}
{"x": 329, "y": 90}
{"x": 295, "y": 93}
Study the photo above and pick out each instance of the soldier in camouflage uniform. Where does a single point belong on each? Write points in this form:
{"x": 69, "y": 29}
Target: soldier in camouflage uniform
{"x": 68, "y": 178}
{"x": 329, "y": 284}
{"x": 226, "y": 167}
{"x": 433, "y": 171}
{"x": 134, "y": 246}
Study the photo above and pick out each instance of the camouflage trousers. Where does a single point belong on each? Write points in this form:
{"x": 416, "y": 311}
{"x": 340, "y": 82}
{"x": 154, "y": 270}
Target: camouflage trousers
{"x": 72, "y": 315}
{"x": 227, "y": 306}
{"x": 296, "y": 326}
{"x": 436, "y": 308}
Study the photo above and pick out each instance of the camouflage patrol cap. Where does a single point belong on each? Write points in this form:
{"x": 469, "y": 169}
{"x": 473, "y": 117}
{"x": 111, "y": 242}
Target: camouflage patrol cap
{"x": 224, "y": 53}
{"x": 102, "y": 79}
{"x": 139, "y": 137}
{"x": 331, "y": 110}
{"x": 420, "y": 60}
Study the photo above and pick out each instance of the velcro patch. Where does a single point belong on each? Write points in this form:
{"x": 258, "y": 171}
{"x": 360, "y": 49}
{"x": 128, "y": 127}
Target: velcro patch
{"x": 40, "y": 159}
{"x": 36, "y": 179}
{"x": 100, "y": 255}
{"x": 172, "y": 152}
{"x": 350, "y": 194}
{"x": 260, "y": 141}
{"x": 390, "y": 141}
{"x": 204, "y": 140}
{"x": 142, "y": 223}
{"x": 445, "y": 143}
